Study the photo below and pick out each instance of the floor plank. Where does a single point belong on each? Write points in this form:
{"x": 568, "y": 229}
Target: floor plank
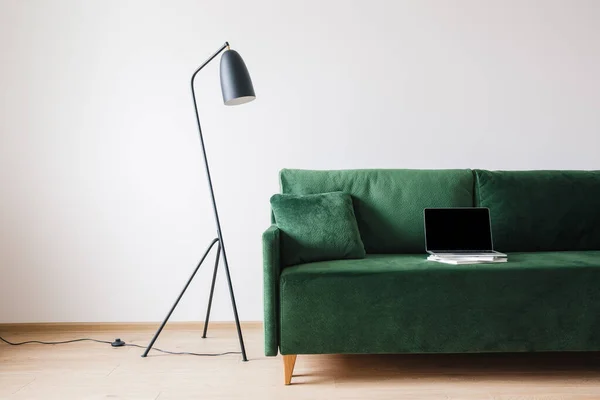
{"x": 97, "y": 371}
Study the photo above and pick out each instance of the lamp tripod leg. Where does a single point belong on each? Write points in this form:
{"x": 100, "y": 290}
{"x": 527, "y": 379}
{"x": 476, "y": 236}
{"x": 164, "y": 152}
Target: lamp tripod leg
{"x": 212, "y": 290}
{"x": 235, "y": 313}
{"x": 179, "y": 298}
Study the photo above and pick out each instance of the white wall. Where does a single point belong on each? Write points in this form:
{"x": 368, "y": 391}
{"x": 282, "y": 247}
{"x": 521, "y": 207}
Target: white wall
{"x": 104, "y": 208}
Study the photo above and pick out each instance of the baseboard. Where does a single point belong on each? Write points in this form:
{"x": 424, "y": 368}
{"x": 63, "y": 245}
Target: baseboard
{"x": 120, "y": 326}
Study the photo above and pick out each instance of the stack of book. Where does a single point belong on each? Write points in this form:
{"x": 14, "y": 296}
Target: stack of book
{"x": 457, "y": 259}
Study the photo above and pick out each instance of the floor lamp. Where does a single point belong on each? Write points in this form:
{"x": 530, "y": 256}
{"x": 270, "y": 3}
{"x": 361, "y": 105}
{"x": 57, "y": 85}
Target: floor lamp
{"x": 237, "y": 88}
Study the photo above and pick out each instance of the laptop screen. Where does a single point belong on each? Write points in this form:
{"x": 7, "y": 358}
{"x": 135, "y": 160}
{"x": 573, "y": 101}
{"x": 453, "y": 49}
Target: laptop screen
{"x": 452, "y": 229}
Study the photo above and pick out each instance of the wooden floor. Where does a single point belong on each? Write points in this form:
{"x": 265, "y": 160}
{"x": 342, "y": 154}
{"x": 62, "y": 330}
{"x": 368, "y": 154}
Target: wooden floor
{"x": 98, "y": 371}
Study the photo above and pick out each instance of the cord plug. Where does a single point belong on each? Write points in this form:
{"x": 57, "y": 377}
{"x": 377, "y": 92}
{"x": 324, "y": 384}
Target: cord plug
{"x": 117, "y": 343}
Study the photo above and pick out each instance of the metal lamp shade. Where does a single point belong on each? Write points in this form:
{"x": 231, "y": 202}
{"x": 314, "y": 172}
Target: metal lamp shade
{"x": 236, "y": 84}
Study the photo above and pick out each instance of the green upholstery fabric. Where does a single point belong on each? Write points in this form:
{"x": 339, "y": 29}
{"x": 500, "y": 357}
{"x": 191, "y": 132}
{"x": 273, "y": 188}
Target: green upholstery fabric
{"x": 541, "y": 210}
{"x": 388, "y": 203}
{"x": 316, "y": 227}
{"x": 403, "y": 303}
{"x": 271, "y": 270}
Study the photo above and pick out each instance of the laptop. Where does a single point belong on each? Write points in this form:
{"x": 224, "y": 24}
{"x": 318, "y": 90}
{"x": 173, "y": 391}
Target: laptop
{"x": 459, "y": 232}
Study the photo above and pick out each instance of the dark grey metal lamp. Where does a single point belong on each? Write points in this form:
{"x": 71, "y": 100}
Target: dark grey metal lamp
{"x": 237, "y": 88}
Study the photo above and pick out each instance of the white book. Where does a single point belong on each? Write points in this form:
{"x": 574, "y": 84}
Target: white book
{"x": 467, "y": 260}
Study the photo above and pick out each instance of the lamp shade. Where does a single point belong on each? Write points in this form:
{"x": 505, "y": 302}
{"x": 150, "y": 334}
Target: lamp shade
{"x": 236, "y": 84}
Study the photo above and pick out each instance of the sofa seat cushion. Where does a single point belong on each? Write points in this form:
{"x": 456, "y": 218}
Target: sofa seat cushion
{"x": 405, "y": 304}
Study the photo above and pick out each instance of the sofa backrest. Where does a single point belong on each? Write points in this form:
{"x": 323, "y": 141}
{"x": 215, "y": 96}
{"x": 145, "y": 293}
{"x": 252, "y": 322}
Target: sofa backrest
{"x": 388, "y": 203}
{"x": 541, "y": 210}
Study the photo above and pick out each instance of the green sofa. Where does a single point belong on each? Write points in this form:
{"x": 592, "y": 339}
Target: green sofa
{"x": 546, "y": 298}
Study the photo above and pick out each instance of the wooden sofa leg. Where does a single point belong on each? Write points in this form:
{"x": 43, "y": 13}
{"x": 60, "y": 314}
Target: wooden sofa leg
{"x": 288, "y": 367}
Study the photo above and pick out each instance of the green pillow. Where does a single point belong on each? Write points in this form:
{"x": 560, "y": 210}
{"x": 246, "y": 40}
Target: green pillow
{"x": 316, "y": 227}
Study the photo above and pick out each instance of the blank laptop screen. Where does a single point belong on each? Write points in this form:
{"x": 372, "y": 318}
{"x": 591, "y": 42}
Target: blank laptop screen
{"x": 458, "y": 229}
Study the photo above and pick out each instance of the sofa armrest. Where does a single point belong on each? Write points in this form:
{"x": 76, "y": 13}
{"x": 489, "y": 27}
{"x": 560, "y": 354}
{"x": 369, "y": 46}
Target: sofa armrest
{"x": 271, "y": 270}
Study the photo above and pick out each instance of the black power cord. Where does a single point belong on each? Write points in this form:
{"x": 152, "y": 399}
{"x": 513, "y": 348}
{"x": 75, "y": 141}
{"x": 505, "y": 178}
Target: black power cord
{"x": 119, "y": 343}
